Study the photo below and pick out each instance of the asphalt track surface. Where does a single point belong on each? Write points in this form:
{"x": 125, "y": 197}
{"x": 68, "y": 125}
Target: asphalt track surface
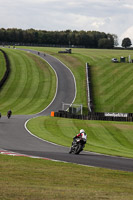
{"x": 15, "y": 138}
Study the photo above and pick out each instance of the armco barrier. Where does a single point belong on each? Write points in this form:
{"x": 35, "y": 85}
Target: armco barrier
{"x": 7, "y": 72}
{"x": 89, "y": 88}
{"x": 127, "y": 117}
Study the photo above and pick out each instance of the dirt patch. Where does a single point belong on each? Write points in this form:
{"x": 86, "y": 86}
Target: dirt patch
{"x": 123, "y": 126}
{"x": 119, "y": 126}
{"x": 71, "y": 59}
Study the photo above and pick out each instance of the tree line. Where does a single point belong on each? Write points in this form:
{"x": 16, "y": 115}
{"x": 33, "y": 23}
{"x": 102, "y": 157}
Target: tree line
{"x": 88, "y": 39}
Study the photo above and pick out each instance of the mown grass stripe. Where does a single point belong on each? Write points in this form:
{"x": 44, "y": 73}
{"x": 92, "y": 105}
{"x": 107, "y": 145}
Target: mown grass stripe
{"x": 117, "y": 80}
{"x": 39, "y": 97}
{"x": 28, "y": 93}
{"x": 17, "y": 81}
{"x": 28, "y": 89}
{"x": 7, "y": 91}
{"x": 2, "y": 65}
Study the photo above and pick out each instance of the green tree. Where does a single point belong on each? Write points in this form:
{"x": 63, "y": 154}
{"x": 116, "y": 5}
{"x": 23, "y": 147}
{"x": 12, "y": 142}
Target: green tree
{"x": 104, "y": 43}
{"x": 2, "y": 35}
{"x": 126, "y": 42}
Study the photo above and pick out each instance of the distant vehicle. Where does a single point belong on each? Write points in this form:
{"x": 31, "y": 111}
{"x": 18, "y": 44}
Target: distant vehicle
{"x": 114, "y": 60}
{"x": 66, "y": 51}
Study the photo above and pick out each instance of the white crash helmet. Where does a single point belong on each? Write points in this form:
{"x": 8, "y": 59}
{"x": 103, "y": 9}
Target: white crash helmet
{"x": 82, "y": 131}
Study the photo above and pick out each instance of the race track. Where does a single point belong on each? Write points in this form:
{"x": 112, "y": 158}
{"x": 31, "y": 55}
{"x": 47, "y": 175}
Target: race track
{"x": 15, "y": 138}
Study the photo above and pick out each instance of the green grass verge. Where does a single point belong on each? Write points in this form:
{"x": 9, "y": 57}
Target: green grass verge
{"x": 113, "y": 138}
{"x": 27, "y": 178}
{"x": 2, "y": 65}
{"x": 112, "y": 82}
{"x": 31, "y": 85}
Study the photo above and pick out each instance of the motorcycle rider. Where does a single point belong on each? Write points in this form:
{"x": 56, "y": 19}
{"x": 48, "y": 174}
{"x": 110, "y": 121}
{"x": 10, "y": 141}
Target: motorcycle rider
{"x": 82, "y": 135}
{"x": 9, "y": 113}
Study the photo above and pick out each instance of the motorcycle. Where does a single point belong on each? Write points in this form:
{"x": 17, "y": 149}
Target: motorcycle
{"x": 78, "y": 145}
{"x": 9, "y": 114}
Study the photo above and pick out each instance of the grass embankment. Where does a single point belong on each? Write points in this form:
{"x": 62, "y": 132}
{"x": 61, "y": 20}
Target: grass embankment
{"x": 27, "y": 178}
{"x": 112, "y": 82}
{"x": 77, "y": 67}
{"x": 31, "y": 85}
{"x": 2, "y": 65}
{"x": 114, "y": 138}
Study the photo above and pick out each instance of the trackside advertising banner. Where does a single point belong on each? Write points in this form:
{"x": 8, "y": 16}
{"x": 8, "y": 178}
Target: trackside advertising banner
{"x": 115, "y": 114}
{"x": 107, "y": 116}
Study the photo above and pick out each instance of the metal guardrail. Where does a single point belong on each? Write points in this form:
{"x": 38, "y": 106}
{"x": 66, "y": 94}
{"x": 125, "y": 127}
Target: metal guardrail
{"x": 89, "y": 89}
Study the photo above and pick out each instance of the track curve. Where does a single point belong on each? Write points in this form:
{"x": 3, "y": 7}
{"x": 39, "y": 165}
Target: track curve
{"x": 14, "y": 137}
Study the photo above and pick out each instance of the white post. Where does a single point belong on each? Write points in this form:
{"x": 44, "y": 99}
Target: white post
{"x": 129, "y": 59}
